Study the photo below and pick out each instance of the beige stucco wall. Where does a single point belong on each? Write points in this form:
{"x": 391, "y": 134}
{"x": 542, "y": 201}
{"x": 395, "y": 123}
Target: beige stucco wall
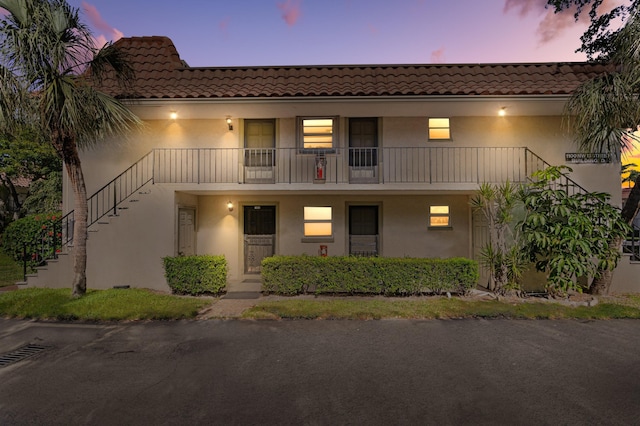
{"x": 128, "y": 251}
{"x": 542, "y": 135}
{"x": 403, "y": 226}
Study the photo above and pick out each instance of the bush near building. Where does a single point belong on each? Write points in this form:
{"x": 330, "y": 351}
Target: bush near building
{"x": 39, "y": 235}
{"x": 196, "y": 274}
{"x": 292, "y": 275}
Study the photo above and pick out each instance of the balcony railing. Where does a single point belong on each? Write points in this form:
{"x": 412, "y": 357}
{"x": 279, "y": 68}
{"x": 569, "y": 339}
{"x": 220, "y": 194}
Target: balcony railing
{"x": 351, "y": 165}
{"x": 427, "y": 165}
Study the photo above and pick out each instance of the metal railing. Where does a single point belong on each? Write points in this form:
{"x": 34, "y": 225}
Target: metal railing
{"x": 103, "y": 202}
{"x": 632, "y": 244}
{"x": 426, "y": 165}
{"x": 107, "y": 199}
{"x": 53, "y": 237}
{"x": 564, "y": 182}
{"x": 350, "y": 165}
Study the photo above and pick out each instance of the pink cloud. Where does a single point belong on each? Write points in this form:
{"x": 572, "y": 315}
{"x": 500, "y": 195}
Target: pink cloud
{"x": 372, "y": 29}
{"x": 96, "y": 20}
{"x": 437, "y": 56}
{"x": 291, "y": 11}
{"x": 100, "y": 41}
{"x": 526, "y": 6}
{"x": 553, "y": 24}
{"x": 224, "y": 27}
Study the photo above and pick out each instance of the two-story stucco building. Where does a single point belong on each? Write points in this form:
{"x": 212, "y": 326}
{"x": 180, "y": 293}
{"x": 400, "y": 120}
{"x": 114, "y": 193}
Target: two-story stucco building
{"x": 321, "y": 160}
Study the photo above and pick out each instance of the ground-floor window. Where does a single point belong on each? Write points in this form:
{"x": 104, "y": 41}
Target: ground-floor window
{"x": 439, "y": 216}
{"x": 318, "y": 222}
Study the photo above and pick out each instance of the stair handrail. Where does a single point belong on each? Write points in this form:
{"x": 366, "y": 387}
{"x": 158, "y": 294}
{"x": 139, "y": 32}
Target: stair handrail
{"x": 108, "y": 198}
{"x": 48, "y": 244}
{"x": 568, "y": 182}
{"x": 634, "y": 248}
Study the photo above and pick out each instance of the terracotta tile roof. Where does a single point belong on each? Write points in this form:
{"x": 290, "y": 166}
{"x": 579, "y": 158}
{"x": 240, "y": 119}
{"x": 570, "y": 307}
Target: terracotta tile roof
{"x": 20, "y": 181}
{"x": 160, "y": 73}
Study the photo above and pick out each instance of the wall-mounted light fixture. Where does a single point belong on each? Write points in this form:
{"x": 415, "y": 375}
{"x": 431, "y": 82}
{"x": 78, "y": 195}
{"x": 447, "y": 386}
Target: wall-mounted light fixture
{"x": 502, "y": 112}
{"x": 229, "y": 123}
{"x": 230, "y": 206}
{"x": 173, "y": 115}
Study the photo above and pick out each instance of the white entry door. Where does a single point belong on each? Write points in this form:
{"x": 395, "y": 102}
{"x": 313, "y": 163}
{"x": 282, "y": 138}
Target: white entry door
{"x": 186, "y": 231}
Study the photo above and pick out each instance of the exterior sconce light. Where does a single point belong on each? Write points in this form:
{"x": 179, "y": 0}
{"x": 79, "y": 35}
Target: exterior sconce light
{"x": 229, "y": 123}
{"x": 230, "y": 206}
{"x": 173, "y": 115}
{"x": 502, "y": 112}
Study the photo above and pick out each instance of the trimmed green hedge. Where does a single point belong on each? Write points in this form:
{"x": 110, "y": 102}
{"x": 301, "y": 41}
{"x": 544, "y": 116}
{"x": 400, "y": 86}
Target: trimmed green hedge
{"x": 367, "y": 275}
{"x": 196, "y": 274}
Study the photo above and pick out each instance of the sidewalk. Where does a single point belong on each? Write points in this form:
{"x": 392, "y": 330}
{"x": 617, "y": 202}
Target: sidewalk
{"x": 240, "y": 296}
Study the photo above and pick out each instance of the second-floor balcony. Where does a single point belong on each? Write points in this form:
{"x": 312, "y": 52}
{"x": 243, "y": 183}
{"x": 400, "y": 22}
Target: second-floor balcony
{"x": 426, "y": 168}
{"x": 409, "y": 165}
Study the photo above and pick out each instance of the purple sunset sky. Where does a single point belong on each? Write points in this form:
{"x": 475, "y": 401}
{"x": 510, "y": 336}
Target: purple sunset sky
{"x": 315, "y": 32}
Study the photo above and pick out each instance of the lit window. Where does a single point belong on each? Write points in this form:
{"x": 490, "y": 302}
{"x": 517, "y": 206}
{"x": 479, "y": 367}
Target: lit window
{"x": 439, "y": 216}
{"x": 317, "y": 133}
{"x": 317, "y": 222}
{"x": 439, "y": 129}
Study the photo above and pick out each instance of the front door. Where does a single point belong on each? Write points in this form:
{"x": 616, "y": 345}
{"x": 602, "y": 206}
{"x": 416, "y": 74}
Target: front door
{"x": 186, "y": 231}
{"x": 363, "y": 150}
{"x": 259, "y": 236}
{"x": 259, "y": 153}
{"x": 363, "y": 231}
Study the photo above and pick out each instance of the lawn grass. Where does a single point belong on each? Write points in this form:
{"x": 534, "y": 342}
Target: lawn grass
{"x": 10, "y": 270}
{"x": 140, "y": 304}
{"x": 433, "y": 308}
{"x": 98, "y": 305}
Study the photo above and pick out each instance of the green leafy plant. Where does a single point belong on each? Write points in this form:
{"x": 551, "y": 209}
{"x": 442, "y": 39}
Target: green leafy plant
{"x": 502, "y": 254}
{"x": 196, "y": 274}
{"x": 39, "y": 235}
{"x": 569, "y": 235}
{"x": 367, "y": 275}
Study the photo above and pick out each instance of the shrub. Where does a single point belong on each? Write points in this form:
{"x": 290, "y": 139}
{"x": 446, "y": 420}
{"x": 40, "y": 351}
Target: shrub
{"x": 570, "y": 235}
{"x": 367, "y": 275}
{"x": 502, "y": 255}
{"x": 39, "y": 233}
{"x": 196, "y": 274}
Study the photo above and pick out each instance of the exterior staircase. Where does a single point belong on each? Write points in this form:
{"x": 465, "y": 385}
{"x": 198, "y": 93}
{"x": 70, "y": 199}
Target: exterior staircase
{"x": 104, "y": 206}
{"x": 120, "y": 196}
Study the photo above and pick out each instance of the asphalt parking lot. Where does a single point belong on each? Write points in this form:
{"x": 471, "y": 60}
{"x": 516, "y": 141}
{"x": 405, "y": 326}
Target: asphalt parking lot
{"x": 322, "y": 372}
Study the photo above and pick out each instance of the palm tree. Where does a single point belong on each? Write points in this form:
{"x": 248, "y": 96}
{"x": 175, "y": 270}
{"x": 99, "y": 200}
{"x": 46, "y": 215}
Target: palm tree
{"x": 603, "y": 112}
{"x": 632, "y": 174}
{"x": 49, "y": 67}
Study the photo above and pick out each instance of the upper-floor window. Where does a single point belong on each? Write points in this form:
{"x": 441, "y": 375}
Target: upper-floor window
{"x": 317, "y": 133}
{"x": 439, "y": 129}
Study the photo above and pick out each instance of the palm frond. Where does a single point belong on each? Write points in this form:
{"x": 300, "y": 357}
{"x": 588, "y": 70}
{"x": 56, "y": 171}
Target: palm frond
{"x": 16, "y": 104}
{"x": 601, "y": 110}
{"x": 111, "y": 62}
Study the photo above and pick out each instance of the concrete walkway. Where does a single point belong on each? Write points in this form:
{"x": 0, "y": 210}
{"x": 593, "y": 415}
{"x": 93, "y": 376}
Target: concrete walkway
{"x": 240, "y": 296}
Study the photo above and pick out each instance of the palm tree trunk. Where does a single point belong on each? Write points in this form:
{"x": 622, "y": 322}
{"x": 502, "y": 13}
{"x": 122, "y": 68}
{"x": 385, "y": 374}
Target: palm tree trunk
{"x": 6, "y": 180}
{"x": 630, "y": 207}
{"x": 74, "y": 171}
{"x": 602, "y": 284}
